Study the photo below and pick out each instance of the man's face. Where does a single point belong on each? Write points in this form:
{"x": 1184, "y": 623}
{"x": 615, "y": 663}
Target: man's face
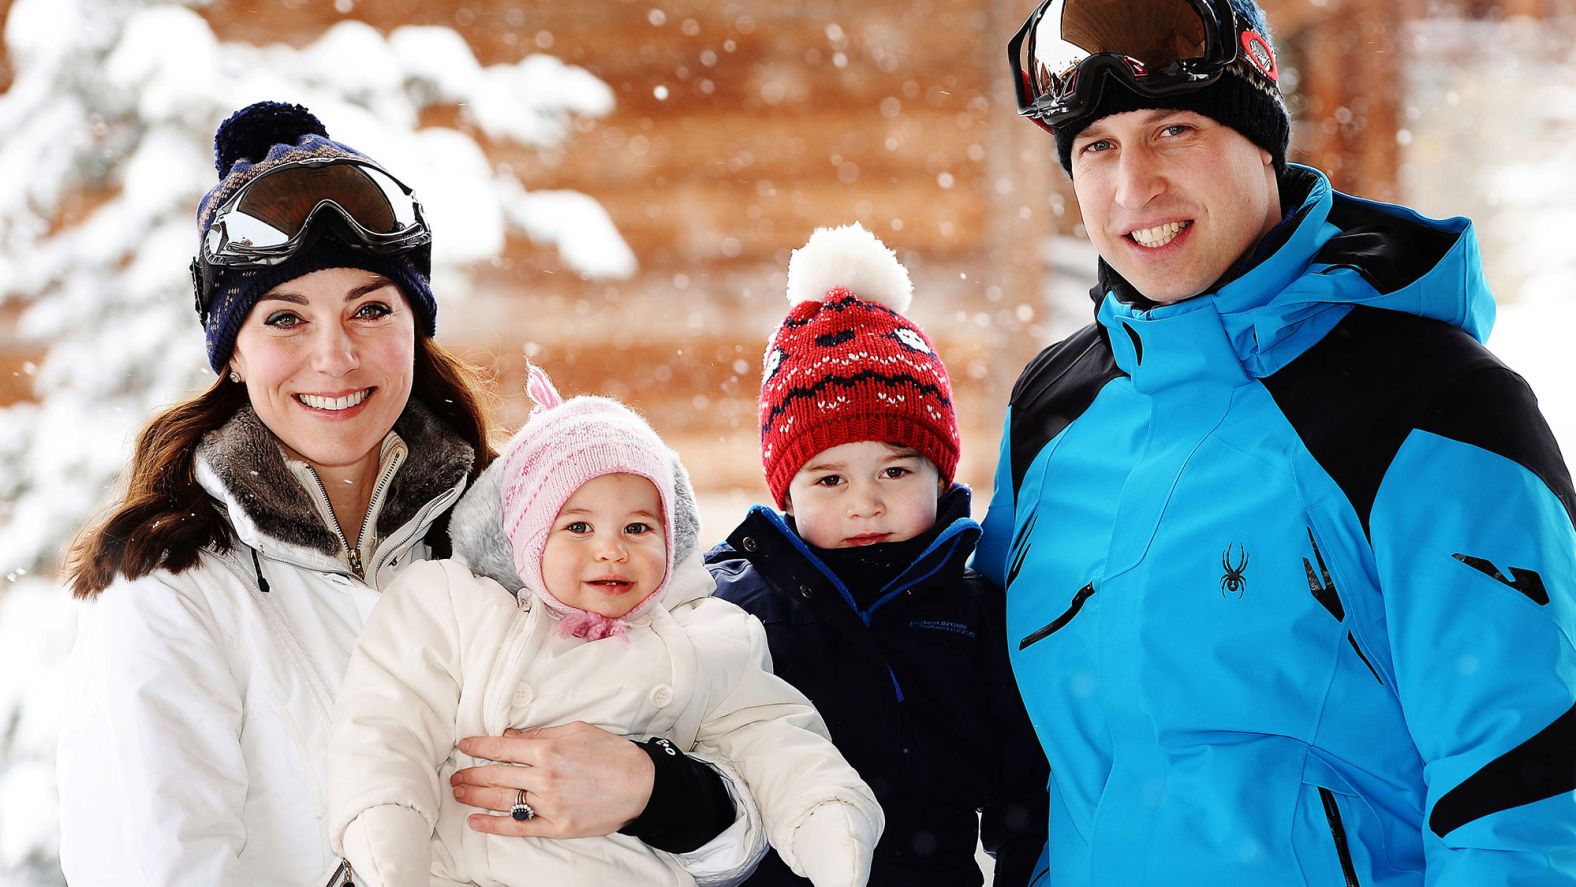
{"x": 1172, "y": 199}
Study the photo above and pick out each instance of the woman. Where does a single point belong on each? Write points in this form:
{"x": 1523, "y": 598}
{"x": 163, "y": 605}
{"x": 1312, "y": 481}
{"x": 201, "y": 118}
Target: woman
{"x": 259, "y": 522}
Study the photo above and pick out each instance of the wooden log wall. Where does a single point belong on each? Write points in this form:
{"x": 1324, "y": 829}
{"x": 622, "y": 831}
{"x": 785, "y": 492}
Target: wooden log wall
{"x": 1345, "y": 67}
{"x": 741, "y": 125}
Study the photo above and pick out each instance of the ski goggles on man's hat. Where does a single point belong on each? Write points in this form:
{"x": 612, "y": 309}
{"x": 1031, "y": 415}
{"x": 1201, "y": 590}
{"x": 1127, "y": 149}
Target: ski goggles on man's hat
{"x": 1065, "y": 49}
{"x": 273, "y": 217}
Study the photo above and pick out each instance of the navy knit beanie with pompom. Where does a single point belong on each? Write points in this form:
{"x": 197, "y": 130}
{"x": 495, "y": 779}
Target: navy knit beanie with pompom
{"x": 252, "y": 141}
{"x": 1246, "y": 98}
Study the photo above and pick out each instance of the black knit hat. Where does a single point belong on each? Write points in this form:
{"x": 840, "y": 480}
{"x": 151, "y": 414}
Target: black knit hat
{"x": 252, "y": 141}
{"x": 1244, "y": 98}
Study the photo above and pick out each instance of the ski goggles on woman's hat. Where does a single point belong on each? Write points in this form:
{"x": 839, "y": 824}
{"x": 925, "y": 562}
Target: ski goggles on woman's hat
{"x": 271, "y": 218}
{"x": 1155, "y": 47}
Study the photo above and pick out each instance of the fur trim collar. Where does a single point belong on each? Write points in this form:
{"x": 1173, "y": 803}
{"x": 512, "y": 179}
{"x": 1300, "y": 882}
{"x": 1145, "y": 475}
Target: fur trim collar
{"x": 248, "y": 462}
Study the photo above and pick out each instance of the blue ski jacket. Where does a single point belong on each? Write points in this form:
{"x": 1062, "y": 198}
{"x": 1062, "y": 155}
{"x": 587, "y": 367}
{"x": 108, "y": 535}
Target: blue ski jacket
{"x": 1289, "y": 572}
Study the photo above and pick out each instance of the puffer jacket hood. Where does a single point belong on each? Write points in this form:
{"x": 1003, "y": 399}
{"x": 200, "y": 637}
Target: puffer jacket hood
{"x": 476, "y": 532}
{"x": 1362, "y": 253}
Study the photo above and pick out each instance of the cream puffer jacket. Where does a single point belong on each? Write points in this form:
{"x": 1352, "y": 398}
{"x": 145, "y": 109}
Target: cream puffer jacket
{"x": 196, "y": 706}
{"x": 696, "y": 672}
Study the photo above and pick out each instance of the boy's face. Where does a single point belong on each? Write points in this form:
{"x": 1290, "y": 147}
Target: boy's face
{"x": 607, "y": 550}
{"x": 864, "y": 493}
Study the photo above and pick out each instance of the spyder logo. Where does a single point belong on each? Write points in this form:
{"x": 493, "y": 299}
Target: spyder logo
{"x": 1233, "y": 582}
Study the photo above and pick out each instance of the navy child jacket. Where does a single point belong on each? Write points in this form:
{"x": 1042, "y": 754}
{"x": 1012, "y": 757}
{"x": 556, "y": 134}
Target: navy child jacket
{"x": 915, "y": 688}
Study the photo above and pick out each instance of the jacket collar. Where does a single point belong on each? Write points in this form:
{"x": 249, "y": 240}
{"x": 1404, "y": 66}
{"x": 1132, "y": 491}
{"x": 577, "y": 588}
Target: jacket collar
{"x": 243, "y": 467}
{"x": 787, "y": 562}
{"x": 1331, "y": 252}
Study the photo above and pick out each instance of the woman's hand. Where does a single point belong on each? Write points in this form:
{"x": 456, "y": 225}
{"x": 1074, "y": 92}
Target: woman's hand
{"x": 581, "y": 781}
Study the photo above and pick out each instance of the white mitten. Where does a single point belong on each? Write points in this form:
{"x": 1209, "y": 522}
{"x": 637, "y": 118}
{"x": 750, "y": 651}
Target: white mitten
{"x": 390, "y": 846}
{"x": 833, "y": 847}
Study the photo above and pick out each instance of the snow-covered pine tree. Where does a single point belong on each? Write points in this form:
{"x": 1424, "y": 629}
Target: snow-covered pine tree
{"x": 108, "y": 126}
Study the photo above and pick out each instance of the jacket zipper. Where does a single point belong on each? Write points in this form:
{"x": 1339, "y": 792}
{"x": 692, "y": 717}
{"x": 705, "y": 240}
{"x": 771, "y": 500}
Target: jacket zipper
{"x": 353, "y": 553}
{"x": 1060, "y": 621}
{"x": 341, "y": 876}
{"x": 892, "y": 589}
{"x": 509, "y": 667}
{"x": 1332, "y": 813}
{"x": 333, "y": 524}
{"x": 394, "y": 545}
{"x": 375, "y": 504}
{"x": 1324, "y": 590}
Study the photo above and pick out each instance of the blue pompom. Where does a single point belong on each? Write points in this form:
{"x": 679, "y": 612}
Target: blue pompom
{"x": 251, "y": 131}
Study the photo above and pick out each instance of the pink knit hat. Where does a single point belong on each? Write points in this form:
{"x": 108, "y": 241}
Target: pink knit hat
{"x": 561, "y": 447}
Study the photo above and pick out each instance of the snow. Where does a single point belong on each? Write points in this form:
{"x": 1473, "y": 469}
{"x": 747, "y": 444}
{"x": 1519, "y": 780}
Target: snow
{"x": 438, "y": 57}
{"x": 112, "y": 111}
{"x": 102, "y": 112}
{"x": 165, "y": 85}
{"x": 577, "y": 225}
{"x": 36, "y": 625}
{"x": 1489, "y": 136}
{"x": 1531, "y": 338}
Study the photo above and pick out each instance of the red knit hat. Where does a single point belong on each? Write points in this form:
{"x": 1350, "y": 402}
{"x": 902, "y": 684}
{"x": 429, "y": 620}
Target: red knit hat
{"x": 846, "y": 365}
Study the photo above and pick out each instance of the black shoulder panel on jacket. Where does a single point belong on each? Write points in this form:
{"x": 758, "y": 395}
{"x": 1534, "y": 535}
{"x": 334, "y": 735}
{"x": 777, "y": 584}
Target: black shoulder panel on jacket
{"x": 1356, "y": 396}
{"x": 1498, "y": 412}
{"x": 1388, "y": 251}
{"x": 1054, "y": 389}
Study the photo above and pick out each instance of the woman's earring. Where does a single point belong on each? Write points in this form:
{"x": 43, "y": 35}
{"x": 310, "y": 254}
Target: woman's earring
{"x": 235, "y": 377}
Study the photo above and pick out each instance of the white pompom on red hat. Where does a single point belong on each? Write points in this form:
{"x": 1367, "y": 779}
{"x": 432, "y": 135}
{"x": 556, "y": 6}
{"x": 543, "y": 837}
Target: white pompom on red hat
{"x": 848, "y": 258}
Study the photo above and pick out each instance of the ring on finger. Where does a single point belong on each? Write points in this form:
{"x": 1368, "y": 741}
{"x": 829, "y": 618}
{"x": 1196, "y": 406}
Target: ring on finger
{"x": 521, "y": 810}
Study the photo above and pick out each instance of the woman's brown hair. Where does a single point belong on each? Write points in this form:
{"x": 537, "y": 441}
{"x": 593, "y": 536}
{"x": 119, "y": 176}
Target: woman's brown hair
{"x": 165, "y": 518}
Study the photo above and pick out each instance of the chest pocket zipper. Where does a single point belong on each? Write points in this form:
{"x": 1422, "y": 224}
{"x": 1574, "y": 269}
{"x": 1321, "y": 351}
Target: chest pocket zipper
{"x": 1061, "y": 621}
{"x": 1322, "y": 586}
{"x": 1332, "y": 813}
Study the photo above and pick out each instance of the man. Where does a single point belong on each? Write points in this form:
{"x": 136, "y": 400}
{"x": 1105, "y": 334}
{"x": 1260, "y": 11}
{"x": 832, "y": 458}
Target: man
{"x": 1288, "y": 554}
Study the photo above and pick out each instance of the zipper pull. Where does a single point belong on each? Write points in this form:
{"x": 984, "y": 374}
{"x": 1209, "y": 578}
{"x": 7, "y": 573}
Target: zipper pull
{"x": 342, "y": 877}
{"x": 355, "y": 564}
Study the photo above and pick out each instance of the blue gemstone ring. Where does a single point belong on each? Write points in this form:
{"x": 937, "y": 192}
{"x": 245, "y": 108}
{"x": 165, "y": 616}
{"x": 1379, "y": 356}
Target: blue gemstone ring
{"x": 521, "y": 810}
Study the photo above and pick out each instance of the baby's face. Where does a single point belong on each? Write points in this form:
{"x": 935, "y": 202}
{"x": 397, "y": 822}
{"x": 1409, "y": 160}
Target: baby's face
{"x": 864, "y": 493}
{"x": 607, "y": 550}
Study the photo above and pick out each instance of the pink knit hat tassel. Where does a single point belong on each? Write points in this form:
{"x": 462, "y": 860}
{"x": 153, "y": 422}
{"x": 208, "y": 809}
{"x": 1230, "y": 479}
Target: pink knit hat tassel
{"x": 540, "y": 388}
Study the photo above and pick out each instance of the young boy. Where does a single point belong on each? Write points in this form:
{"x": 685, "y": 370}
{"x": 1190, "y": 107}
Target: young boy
{"x": 862, "y": 585}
